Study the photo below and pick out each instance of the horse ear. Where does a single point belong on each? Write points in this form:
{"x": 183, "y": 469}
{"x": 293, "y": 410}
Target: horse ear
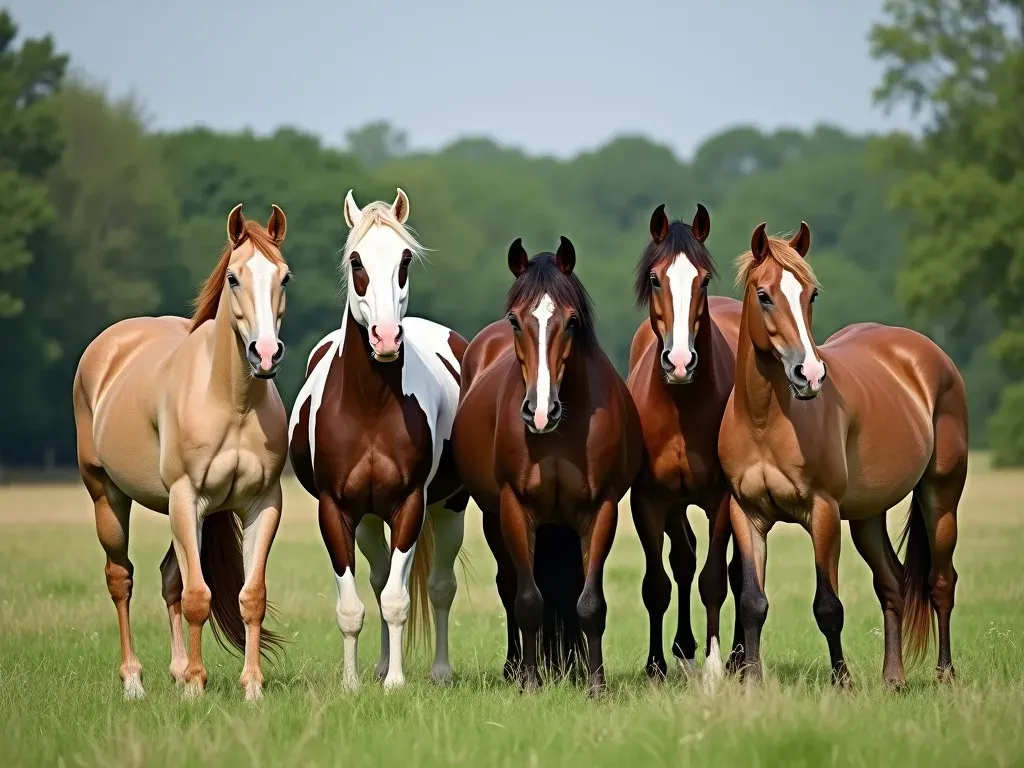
{"x": 801, "y": 242}
{"x": 565, "y": 256}
{"x": 659, "y": 224}
{"x": 759, "y": 243}
{"x": 352, "y": 212}
{"x": 518, "y": 259}
{"x": 236, "y": 225}
{"x": 701, "y": 223}
{"x": 278, "y": 224}
{"x": 400, "y": 208}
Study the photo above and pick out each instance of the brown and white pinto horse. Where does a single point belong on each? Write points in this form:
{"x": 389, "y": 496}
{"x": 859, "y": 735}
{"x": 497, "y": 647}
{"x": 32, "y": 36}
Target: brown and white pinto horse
{"x": 181, "y": 416}
{"x": 681, "y": 370}
{"x": 844, "y": 431}
{"x": 547, "y": 441}
{"x": 370, "y": 436}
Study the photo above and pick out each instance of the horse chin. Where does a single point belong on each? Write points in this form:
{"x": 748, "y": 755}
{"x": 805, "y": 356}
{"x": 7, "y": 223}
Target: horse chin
{"x": 265, "y": 375}
{"x": 383, "y": 358}
{"x": 550, "y": 427}
{"x": 805, "y": 393}
{"x": 671, "y": 378}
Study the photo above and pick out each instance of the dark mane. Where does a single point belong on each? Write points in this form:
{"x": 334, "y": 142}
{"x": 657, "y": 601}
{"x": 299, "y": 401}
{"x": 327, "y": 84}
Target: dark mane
{"x": 209, "y": 295}
{"x": 680, "y": 240}
{"x": 543, "y": 276}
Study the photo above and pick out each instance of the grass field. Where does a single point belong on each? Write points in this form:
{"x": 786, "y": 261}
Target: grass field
{"x": 60, "y": 697}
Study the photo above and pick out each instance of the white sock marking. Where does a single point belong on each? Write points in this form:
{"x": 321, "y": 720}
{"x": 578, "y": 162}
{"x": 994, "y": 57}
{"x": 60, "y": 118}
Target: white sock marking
{"x": 394, "y": 607}
{"x": 350, "y": 611}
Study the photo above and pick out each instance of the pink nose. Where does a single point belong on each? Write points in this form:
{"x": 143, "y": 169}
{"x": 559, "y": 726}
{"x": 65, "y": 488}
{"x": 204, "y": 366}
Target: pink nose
{"x": 266, "y": 348}
{"x": 385, "y": 338}
{"x": 814, "y": 371}
{"x": 680, "y": 358}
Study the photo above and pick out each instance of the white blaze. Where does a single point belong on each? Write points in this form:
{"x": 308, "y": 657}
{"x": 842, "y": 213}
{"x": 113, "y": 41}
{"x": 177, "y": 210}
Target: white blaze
{"x": 264, "y": 334}
{"x": 681, "y": 275}
{"x": 545, "y": 309}
{"x": 791, "y": 289}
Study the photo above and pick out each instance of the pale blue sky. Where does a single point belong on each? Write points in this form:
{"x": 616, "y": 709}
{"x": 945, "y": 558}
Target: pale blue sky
{"x": 546, "y": 75}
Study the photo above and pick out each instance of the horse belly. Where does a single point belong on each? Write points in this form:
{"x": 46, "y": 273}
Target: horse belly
{"x": 128, "y": 449}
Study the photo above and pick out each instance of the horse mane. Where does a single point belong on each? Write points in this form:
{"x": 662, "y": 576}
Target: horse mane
{"x": 209, "y": 295}
{"x": 379, "y": 213}
{"x": 779, "y": 251}
{"x": 542, "y": 276}
{"x": 680, "y": 240}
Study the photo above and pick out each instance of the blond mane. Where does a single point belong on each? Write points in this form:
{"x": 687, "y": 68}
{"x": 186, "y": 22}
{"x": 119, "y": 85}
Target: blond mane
{"x": 379, "y": 213}
{"x": 782, "y": 254}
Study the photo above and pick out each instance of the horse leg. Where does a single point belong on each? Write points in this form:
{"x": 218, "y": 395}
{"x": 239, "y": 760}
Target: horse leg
{"x": 828, "y": 610}
{"x": 394, "y": 598}
{"x": 592, "y": 607}
{"x": 258, "y": 530}
{"x": 374, "y": 546}
{"x": 872, "y": 541}
{"x": 683, "y": 560}
{"x": 338, "y": 531}
{"x": 736, "y": 655}
{"x": 449, "y": 525}
{"x": 171, "y": 588}
{"x": 518, "y": 533}
{"x": 713, "y": 585}
{"x": 939, "y": 498}
{"x": 649, "y": 520}
{"x": 113, "y": 508}
{"x": 506, "y": 583}
{"x": 750, "y": 532}
{"x": 187, "y": 531}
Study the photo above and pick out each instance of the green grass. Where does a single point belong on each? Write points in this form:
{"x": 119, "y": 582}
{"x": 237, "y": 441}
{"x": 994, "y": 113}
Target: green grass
{"x": 60, "y": 698}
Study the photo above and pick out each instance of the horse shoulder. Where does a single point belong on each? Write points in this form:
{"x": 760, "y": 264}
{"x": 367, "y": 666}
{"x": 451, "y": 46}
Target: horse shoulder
{"x": 643, "y": 340}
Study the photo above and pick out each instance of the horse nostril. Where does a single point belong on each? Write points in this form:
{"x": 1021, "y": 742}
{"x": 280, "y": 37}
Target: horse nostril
{"x": 279, "y": 354}
{"x": 399, "y": 334}
{"x": 798, "y": 373}
{"x": 666, "y": 364}
{"x": 252, "y": 354}
{"x": 373, "y": 332}
{"x": 555, "y": 411}
{"x": 527, "y": 411}
{"x": 692, "y": 365}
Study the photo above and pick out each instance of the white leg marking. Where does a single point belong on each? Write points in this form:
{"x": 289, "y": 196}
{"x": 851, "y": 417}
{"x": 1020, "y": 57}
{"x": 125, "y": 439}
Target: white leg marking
{"x": 681, "y": 276}
{"x": 133, "y": 686}
{"x": 394, "y": 607}
{"x": 370, "y": 537}
{"x": 545, "y": 309}
{"x": 714, "y": 671}
{"x": 350, "y": 613}
{"x": 448, "y": 532}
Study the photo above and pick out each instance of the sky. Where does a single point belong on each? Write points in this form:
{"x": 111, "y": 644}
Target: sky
{"x": 549, "y": 76}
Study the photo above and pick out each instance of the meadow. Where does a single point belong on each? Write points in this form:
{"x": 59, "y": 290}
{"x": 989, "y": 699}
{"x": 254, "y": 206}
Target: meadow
{"x": 60, "y": 697}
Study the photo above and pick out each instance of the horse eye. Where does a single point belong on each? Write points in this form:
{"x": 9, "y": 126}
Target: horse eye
{"x": 764, "y": 298}
{"x": 655, "y": 282}
{"x": 514, "y": 322}
{"x": 287, "y": 278}
{"x": 232, "y": 280}
{"x": 573, "y": 323}
{"x": 357, "y": 265}
{"x": 707, "y": 281}
{"x": 814, "y": 296}
{"x": 406, "y": 257}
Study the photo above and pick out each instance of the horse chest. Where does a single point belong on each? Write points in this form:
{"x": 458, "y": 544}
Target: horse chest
{"x": 680, "y": 468}
{"x": 765, "y": 486}
{"x": 554, "y": 487}
{"x": 234, "y": 478}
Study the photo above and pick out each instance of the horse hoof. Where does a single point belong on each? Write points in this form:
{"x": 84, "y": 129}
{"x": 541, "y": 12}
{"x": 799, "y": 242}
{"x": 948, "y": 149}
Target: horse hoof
{"x": 597, "y": 690}
{"x": 193, "y": 690}
{"x": 894, "y": 684}
{"x": 843, "y": 682}
{"x": 945, "y": 675}
{"x": 394, "y": 683}
{"x": 253, "y": 691}
{"x": 381, "y": 671}
{"x": 441, "y": 674}
{"x": 656, "y": 669}
{"x": 133, "y": 688}
{"x": 687, "y": 666}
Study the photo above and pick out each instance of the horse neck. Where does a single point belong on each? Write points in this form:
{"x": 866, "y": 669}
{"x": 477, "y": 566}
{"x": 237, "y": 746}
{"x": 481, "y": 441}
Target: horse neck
{"x": 231, "y": 379}
{"x": 371, "y": 383}
{"x": 759, "y": 376}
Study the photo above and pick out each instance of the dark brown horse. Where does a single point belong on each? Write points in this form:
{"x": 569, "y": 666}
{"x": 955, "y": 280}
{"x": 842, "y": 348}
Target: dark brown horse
{"x": 547, "y": 441}
{"x": 844, "y": 431}
{"x": 681, "y": 371}
{"x": 369, "y": 438}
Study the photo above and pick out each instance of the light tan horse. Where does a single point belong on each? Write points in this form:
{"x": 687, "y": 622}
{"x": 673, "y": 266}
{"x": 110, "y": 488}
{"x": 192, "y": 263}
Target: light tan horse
{"x": 844, "y": 431}
{"x": 181, "y": 416}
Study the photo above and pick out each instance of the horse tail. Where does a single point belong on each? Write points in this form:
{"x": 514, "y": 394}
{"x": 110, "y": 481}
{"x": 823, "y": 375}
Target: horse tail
{"x": 918, "y": 621}
{"x": 220, "y": 557}
{"x": 418, "y": 628}
{"x": 558, "y": 572}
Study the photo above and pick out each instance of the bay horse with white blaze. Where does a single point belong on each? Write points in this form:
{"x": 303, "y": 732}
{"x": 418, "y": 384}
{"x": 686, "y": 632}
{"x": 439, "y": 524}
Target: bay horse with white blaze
{"x": 681, "y": 370}
{"x": 370, "y": 434}
{"x": 547, "y": 441}
{"x": 844, "y": 431}
{"x": 181, "y": 416}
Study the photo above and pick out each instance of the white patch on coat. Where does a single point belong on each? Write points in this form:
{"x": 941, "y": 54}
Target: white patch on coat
{"x": 681, "y": 275}
{"x": 545, "y": 309}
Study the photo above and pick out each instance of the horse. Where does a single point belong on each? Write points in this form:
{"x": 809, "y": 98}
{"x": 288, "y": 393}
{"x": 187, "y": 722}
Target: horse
{"x": 182, "y": 416}
{"x": 681, "y": 405}
{"x": 370, "y": 440}
{"x": 547, "y": 441}
{"x": 842, "y": 431}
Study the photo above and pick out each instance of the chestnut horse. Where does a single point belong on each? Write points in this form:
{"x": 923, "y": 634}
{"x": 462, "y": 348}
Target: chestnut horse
{"x": 181, "y": 416}
{"x": 681, "y": 370}
{"x": 547, "y": 441}
{"x": 844, "y": 431}
{"x": 370, "y": 436}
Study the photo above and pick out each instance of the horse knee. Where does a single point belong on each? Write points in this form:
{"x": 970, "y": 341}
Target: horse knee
{"x": 529, "y": 608}
{"x": 828, "y": 611}
{"x": 753, "y": 609}
{"x": 592, "y": 611}
{"x": 657, "y": 591}
{"x": 195, "y": 604}
{"x": 684, "y": 563}
{"x": 712, "y": 586}
{"x": 394, "y": 606}
{"x": 119, "y": 580}
{"x": 442, "y": 588}
{"x": 252, "y": 602}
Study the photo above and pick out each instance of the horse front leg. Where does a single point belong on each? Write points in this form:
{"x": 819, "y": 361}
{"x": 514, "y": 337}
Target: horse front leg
{"x": 592, "y": 607}
{"x": 395, "y": 603}
{"x": 338, "y": 531}
{"x": 517, "y": 529}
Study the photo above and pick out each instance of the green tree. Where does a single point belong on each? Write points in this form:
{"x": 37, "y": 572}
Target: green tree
{"x": 959, "y": 66}
{"x": 376, "y": 143}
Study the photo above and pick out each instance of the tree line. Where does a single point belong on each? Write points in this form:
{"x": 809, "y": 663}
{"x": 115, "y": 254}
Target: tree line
{"x": 102, "y": 219}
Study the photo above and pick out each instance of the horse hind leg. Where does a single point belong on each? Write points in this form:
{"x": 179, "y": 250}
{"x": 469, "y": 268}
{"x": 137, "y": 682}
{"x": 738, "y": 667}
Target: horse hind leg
{"x": 373, "y": 545}
{"x": 656, "y": 590}
{"x": 683, "y": 560}
{"x": 449, "y": 523}
{"x": 171, "y": 588}
{"x": 113, "y": 509}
